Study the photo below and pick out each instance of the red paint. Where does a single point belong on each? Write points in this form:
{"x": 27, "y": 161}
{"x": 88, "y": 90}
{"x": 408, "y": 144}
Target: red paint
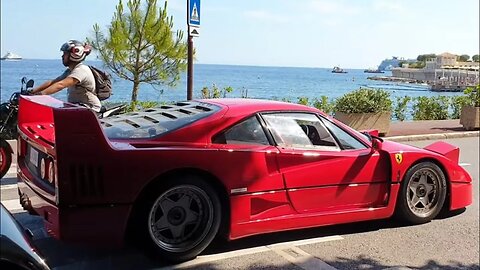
{"x": 285, "y": 188}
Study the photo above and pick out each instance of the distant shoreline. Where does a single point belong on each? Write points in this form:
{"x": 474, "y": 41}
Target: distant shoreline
{"x": 213, "y": 64}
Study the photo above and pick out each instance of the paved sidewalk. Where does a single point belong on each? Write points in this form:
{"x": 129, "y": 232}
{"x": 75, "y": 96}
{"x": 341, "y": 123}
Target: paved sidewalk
{"x": 428, "y": 130}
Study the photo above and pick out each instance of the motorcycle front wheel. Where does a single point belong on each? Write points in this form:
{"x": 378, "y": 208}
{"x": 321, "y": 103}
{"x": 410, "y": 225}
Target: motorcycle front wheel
{"x": 5, "y": 157}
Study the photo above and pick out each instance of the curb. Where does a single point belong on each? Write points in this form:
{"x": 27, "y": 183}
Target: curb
{"x": 437, "y": 136}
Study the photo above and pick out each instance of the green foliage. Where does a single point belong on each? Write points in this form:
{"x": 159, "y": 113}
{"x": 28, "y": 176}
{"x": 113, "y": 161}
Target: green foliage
{"x": 431, "y": 108}
{"x": 140, "y": 105}
{"x": 323, "y": 104}
{"x": 417, "y": 65}
{"x": 463, "y": 58}
{"x": 425, "y": 57}
{"x": 457, "y": 102}
{"x": 140, "y": 45}
{"x": 476, "y": 58}
{"x": 303, "y": 101}
{"x": 400, "y": 109}
{"x": 364, "y": 100}
{"x": 215, "y": 92}
{"x": 473, "y": 95}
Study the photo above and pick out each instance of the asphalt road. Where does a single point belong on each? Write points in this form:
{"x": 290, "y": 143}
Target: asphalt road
{"x": 445, "y": 243}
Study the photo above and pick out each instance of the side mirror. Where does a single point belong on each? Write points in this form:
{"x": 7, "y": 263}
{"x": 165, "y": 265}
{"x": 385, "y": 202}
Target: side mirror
{"x": 30, "y": 83}
{"x": 377, "y": 143}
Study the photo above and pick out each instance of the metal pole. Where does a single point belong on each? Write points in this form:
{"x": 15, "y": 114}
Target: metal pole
{"x": 190, "y": 68}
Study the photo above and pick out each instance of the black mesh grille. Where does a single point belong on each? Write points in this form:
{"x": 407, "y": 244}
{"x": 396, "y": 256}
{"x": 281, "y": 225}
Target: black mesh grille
{"x": 87, "y": 181}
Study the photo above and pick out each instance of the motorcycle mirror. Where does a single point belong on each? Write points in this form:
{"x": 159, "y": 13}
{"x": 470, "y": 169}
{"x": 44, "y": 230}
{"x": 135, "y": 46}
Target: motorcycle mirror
{"x": 24, "y": 80}
{"x": 30, "y": 83}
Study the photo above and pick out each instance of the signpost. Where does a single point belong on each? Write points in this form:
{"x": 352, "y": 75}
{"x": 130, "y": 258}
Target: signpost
{"x": 193, "y": 25}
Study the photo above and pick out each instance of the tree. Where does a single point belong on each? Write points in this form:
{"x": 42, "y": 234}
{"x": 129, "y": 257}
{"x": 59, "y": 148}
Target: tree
{"x": 141, "y": 47}
{"x": 463, "y": 58}
{"x": 476, "y": 58}
{"x": 425, "y": 57}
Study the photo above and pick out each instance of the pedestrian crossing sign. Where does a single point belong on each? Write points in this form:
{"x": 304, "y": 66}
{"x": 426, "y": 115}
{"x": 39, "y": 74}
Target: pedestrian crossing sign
{"x": 194, "y": 13}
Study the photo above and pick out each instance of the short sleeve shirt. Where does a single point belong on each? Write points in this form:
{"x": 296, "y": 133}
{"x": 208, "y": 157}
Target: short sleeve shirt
{"x": 84, "y": 91}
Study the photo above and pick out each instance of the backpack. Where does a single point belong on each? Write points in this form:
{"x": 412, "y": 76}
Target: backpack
{"x": 103, "y": 83}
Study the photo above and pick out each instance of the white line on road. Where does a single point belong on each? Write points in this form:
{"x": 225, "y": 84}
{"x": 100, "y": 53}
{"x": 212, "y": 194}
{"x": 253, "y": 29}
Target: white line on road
{"x": 309, "y": 262}
{"x": 303, "y": 259}
{"x": 12, "y": 186}
{"x": 464, "y": 164}
{"x": 13, "y": 205}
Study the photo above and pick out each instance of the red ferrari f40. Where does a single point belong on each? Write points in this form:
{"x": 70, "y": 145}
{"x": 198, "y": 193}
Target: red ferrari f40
{"x": 177, "y": 176}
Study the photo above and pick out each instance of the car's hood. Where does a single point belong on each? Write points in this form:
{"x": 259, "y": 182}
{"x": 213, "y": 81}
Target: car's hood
{"x": 447, "y": 150}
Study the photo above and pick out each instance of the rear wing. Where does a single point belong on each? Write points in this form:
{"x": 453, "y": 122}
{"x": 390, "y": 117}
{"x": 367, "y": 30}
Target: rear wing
{"x": 49, "y": 123}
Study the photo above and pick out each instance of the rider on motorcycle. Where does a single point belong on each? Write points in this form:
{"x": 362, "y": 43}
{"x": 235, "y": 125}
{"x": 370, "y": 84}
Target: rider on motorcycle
{"x": 78, "y": 78}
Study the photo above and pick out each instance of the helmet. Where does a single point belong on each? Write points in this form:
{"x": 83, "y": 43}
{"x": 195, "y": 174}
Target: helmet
{"x": 77, "y": 50}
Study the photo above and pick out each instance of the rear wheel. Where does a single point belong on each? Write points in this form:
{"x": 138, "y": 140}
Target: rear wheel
{"x": 5, "y": 157}
{"x": 181, "y": 220}
{"x": 422, "y": 193}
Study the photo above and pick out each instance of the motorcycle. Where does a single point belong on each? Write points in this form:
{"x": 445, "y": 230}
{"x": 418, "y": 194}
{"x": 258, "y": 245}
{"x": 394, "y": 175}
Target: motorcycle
{"x": 8, "y": 122}
{"x": 8, "y": 125}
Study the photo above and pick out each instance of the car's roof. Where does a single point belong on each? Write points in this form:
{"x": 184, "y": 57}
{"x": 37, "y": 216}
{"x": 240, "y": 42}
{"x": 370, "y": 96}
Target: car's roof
{"x": 242, "y": 105}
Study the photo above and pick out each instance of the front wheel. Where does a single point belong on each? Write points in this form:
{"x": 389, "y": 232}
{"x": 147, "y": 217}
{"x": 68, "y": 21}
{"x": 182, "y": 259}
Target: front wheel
{"x": 5, "y": 157}
{"x": 182, "y": 219}
{"x": 422, "y": 193}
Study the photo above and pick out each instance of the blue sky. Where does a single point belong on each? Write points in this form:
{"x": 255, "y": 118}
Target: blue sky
{"x": 301, "y": 33}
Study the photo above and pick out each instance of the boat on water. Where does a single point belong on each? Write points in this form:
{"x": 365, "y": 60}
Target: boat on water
{"x": 338, "y": 70}
{"x": 373, "y": 70}
{"x": 11, "y": 56}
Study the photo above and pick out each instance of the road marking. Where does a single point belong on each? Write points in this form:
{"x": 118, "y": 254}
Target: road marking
{"x": 309, "y": 261}
{"x": 304, "y": 260}
{"x": 12, "y": 169}
{"x": 464, "y": 164}
{"x": 305, "y": 242}
{"x": 13, "y": 205}
{"x": 11, "y": 186}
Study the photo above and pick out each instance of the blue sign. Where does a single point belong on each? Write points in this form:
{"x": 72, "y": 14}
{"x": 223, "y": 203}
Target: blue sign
{"x": 194, "y": 12}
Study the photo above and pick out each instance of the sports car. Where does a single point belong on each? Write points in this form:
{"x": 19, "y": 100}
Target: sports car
{"x": 177, "y": 176}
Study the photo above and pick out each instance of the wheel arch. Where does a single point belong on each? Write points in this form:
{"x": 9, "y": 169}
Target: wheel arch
{"x": 158, "y": 182}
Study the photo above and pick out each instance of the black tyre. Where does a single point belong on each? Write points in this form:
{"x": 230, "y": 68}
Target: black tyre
{"x": 422, "y": 193}
{"x": 182, "y": 219}
{"x": 5, "y": 157}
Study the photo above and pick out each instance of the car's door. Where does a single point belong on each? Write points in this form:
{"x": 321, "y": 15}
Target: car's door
{"x": 248, "y": 158}
{"x": 324, "y": 167}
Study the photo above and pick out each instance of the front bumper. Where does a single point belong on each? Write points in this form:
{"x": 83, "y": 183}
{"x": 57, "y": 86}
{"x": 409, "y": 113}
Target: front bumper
{"x": 461, "y": 195}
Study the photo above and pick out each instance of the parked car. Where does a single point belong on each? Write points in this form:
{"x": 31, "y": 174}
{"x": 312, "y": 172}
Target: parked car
{"x": 177, "y": 176}
{"x": 16, "y": 249}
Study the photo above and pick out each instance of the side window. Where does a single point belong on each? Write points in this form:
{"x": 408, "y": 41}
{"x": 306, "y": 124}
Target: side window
{"x": 249, "y": 131}
{"x": 346, "y": 140}
{"x": 300, "y": 130}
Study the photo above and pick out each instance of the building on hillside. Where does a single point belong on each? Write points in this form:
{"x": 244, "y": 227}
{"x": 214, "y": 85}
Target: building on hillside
{"x": 443, "y": 73}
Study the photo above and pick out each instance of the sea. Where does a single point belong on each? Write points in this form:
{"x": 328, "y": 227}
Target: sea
{"x": 279, "y": 83}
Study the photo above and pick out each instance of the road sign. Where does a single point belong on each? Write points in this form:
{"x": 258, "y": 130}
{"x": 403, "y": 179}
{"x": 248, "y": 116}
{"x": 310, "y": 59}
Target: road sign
{"x": 193, "y": 31}
{"x": 194, "y": 12}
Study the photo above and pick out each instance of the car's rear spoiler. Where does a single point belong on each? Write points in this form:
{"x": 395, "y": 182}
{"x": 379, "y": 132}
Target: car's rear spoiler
{"x": 445, "y": 149}
{"x": 49, "y": 122}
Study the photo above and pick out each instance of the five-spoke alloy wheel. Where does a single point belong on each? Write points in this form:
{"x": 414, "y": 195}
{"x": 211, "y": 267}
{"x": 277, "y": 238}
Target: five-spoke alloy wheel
{"x": 422, "y": 193}
{"x": 183, "y": 218}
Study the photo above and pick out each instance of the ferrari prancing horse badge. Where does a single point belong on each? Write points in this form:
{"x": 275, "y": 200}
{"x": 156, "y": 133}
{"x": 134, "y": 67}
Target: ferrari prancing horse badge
{"x": 399, "y": 158}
